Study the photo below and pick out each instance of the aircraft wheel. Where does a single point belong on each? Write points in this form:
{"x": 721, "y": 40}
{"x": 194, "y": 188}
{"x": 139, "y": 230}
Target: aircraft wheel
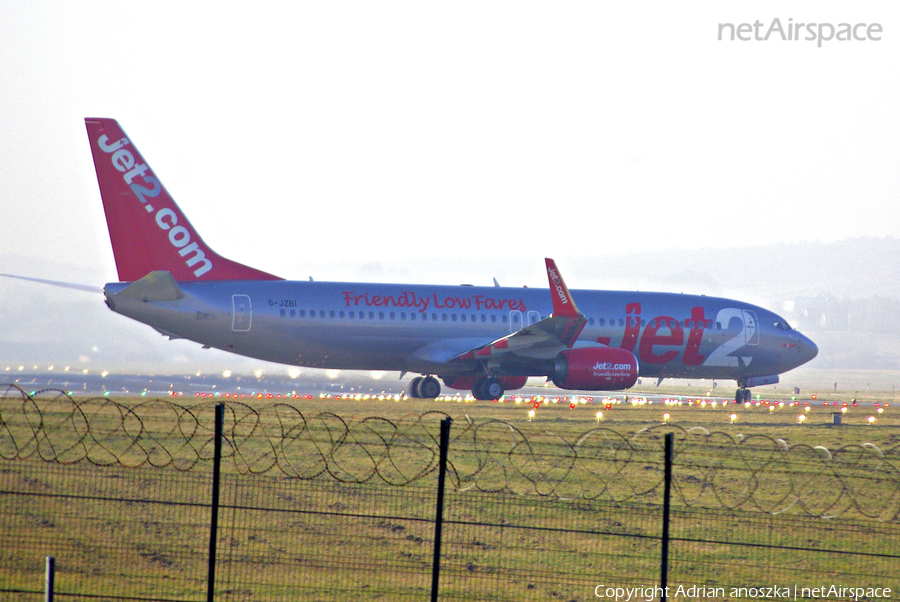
{"x": 493, "y": 389}
{"x": 746, "y": 395}
{"x": 412, "y": 390}
{"x": 478, "y": 389}
{"x": 739, "y": 396}
{"x": 429, "y": 388}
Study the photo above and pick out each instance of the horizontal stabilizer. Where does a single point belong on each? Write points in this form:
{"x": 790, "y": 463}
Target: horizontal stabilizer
{"x": 155, "y": 286}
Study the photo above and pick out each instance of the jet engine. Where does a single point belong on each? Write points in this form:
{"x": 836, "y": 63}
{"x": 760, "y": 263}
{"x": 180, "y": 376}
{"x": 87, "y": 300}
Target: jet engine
{"x": 595, "y": 369}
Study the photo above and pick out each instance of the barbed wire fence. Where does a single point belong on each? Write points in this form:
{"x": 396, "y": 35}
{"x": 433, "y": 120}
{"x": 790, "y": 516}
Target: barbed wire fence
{"x": 325, "y": 506}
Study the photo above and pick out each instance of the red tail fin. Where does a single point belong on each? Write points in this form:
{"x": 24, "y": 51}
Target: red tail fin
{"x": 147, "y": 229}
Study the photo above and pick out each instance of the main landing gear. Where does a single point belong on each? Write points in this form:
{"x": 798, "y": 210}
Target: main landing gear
{"x": 424, "y": 387}
{"x": 487, "y": 389}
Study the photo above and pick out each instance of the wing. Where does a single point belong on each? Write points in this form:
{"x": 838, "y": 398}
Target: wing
{"x": 540, "y": 341}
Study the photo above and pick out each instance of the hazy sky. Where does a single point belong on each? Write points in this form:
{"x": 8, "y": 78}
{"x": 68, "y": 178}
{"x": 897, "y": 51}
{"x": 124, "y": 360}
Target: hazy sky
{"x": 313, "y": 133}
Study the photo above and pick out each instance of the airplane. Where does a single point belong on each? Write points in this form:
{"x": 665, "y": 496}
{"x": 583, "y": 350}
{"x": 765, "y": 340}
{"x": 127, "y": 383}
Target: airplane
{"x": 488, "y": 340}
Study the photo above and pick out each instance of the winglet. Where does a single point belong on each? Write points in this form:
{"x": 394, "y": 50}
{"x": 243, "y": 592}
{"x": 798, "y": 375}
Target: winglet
{"x": 563, "y": 303}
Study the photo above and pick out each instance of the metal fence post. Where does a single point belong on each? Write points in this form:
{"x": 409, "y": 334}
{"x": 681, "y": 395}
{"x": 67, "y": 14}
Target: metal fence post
{"x": 214, "y": 520}
{"x": 49, "y": 578}
{"x": 664, "y": 568}
{"x": 439, "y": 516}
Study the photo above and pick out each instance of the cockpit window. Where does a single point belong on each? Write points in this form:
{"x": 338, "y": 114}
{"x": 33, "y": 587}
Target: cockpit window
{"x": 782, "y": 325}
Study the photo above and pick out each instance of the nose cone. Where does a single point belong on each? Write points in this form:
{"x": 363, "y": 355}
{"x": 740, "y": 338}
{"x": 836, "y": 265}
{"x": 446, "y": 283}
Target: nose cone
{"x": 806, "y": 349}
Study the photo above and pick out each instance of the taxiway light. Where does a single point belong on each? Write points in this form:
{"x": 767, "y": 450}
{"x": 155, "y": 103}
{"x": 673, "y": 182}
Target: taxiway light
{"x": 871, "y": 419}
{"x": 531, "y": 414}
{"x": 801, "y": 418}
{"x": 844, "y": 410}
{"x": 598, "y": 416}
{"x": 666, "y": 417}
{"x": 880, "y": 410}
{"x": 733, "y": 418}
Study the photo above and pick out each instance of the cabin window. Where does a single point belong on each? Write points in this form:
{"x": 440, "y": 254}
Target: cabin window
{"x": 463, "y": 317}
{"x": 283, "y": 313}
{"x": 341, "y": 315}
{"x": 381, "y": 315}
{"x": 493, "y": 319}
{"x": 453, "y": 317}
{"x": 293, "y": 313}
{"x": 412, "y": 317}
{"x": 444, "y": 317}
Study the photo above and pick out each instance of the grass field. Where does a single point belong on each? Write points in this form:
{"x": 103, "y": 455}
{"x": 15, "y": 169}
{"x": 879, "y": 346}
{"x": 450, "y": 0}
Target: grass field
{"x": 546, "y": 507}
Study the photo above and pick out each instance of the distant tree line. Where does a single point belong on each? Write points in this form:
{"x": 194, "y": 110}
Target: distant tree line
{"x": 826, "y": 312}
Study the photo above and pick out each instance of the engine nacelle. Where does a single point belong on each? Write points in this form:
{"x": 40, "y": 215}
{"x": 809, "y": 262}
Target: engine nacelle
{"x": 466, "y": 382}
{"x": 595, "y": 369}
